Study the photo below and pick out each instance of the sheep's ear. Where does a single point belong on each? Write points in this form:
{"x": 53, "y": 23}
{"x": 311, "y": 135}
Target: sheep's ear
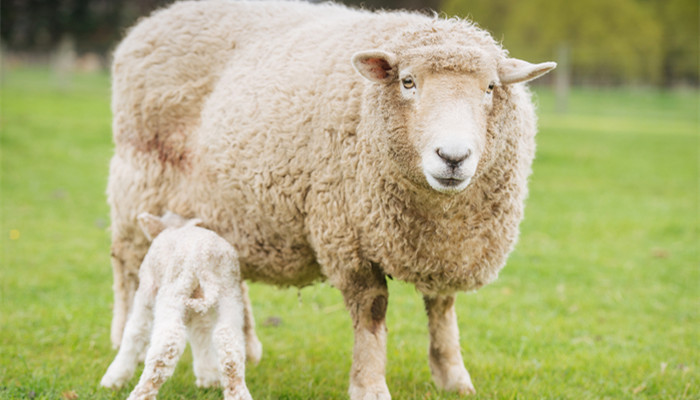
{"x": 150, "y": 225}
{"x": 375, "y": 65}
{"x": 512, "y": 70}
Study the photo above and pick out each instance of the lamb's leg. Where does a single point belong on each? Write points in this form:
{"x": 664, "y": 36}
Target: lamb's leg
{"x": 445, "y": 356}
{"x": 366, "y": 298}
{"x": 168, "y": 342}
{"x": 252, "y": 343}
{"x": 136, "y": 336}
{"x": 127, "y": 255}
{"x": 199, "y": 331}
{"x": 230, "y": 344}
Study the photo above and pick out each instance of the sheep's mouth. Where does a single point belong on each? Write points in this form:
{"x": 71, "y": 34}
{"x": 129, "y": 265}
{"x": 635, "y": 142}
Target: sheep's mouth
{"x": 449, "y": 182}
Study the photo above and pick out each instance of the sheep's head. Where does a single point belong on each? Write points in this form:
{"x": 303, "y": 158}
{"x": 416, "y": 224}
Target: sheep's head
{"x": 435, "y": 102}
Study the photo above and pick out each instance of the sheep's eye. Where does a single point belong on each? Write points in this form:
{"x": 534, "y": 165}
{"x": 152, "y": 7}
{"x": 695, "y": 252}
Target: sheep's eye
{"x": 491, "y": 86}
{"x": 408, "y": 83}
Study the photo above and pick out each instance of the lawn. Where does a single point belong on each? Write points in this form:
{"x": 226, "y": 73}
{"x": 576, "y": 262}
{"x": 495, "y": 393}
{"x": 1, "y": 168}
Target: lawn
{"x": 599, "y": 300}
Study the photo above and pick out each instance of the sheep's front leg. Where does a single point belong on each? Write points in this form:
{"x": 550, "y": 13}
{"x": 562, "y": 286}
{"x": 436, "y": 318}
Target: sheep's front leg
{"x": 366, "y": 297}
{"x": 446, "y": 363}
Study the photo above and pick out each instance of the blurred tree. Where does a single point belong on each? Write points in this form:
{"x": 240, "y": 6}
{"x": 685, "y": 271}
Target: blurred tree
{"x": 95, "y": 25}
{"x": 681, "y": 40}
{"x": 608, "y": 41}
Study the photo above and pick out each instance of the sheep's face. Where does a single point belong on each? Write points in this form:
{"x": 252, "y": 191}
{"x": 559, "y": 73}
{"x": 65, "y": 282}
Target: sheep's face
{"x": 436, "y": 103}
{"x": 446, "y": 117}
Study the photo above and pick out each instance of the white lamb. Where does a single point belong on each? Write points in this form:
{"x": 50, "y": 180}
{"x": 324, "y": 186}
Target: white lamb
{"x": 189, "y": 287}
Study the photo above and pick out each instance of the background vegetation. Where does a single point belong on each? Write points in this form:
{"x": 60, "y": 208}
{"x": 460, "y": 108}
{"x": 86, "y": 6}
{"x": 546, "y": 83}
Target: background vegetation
{"x": 641, "y": 42}
{"x": 644, "y": 42}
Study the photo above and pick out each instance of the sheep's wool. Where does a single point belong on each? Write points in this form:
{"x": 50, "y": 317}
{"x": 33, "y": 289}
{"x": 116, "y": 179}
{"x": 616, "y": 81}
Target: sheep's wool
{"x": 250, "y": 116}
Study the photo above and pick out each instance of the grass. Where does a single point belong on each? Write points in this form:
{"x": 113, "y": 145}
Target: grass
{"x": 599, "y": 300}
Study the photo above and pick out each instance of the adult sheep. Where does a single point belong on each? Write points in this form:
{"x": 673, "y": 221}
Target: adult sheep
{"x": 250, "y": 116}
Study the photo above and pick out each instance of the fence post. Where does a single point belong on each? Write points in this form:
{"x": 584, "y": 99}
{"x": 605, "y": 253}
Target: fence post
{"x": 562, "y": 81}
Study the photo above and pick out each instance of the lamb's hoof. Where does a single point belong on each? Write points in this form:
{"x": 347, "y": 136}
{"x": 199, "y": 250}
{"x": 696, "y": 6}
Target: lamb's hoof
{"x": 208, "y": 381}
{"x": 377, "y": 392}
{"x": 253, "y": 350}
{"x": 113, "y": 381}
{"x": 239, "y": 393}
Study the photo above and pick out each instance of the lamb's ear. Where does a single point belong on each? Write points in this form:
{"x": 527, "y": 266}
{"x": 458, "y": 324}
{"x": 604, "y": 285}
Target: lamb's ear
{"x": 150, "y": 225}
{"x": 194, "y": 222}
{"x": 375, "y": 65}
{"x": 512, "y": 70}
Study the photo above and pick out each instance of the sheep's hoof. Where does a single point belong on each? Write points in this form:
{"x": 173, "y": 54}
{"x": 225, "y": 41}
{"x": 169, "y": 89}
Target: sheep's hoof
{"x": 253, "y": 351}
{"x": 377, "y": 392}
{"x": 466, "y": 389}
{"x": 454, "y": 379}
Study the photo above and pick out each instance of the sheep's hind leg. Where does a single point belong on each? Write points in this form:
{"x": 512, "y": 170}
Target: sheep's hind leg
{"x": 366, "y": 298}
{"x": 445, "y": 356}
{"x": 253, "y": 345}
{"x": 127, "y": 254}
{"x": 168, "y": 342}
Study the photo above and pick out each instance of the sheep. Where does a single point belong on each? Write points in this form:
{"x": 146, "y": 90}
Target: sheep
{"x": 189, "y": 287}
{"x": 328, "y": 143}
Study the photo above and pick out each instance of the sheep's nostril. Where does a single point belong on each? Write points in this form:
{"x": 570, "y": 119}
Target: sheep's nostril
{"x": 453, "y": 160}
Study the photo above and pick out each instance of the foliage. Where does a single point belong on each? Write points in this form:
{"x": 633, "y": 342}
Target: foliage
{"x": 40, "y": 25}
{"x": 96, "y": 25}
{"x": 598, "y": 301}
{"x": 618, "y": 41}
{"x": 681, "y": 38}
{"x": 648, "y": 42}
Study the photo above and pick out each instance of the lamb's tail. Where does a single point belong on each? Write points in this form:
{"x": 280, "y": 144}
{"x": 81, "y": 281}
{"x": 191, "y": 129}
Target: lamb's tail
{"x": 206, "y": 295}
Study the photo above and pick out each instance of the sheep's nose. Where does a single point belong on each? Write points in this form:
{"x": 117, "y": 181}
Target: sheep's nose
{"x": 453, "y": 159}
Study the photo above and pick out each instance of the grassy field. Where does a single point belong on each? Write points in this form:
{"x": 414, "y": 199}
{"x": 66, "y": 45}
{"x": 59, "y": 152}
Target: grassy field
{"x": 600, "y": 299}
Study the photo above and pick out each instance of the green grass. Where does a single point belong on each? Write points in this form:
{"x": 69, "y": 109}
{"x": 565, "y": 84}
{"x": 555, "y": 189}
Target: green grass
{"x": 600, "y": 299}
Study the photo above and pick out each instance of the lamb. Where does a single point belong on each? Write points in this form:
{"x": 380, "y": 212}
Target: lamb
{"x": 189, "y": 286}
{"x": 327, "y": 143}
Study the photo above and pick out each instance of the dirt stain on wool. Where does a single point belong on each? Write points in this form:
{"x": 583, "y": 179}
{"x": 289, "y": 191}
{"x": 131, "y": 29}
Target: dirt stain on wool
{"x": 162, "y": 148}
{"x": 378, "y": 312}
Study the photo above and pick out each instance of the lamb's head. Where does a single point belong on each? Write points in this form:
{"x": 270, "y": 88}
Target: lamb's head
{"x": 433, "y": 103}
{"x": 152, "y": 225}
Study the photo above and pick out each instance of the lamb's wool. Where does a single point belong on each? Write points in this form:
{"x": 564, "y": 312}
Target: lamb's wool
{"x": 250, "y": 116}
{"x": 189, "y": 282}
